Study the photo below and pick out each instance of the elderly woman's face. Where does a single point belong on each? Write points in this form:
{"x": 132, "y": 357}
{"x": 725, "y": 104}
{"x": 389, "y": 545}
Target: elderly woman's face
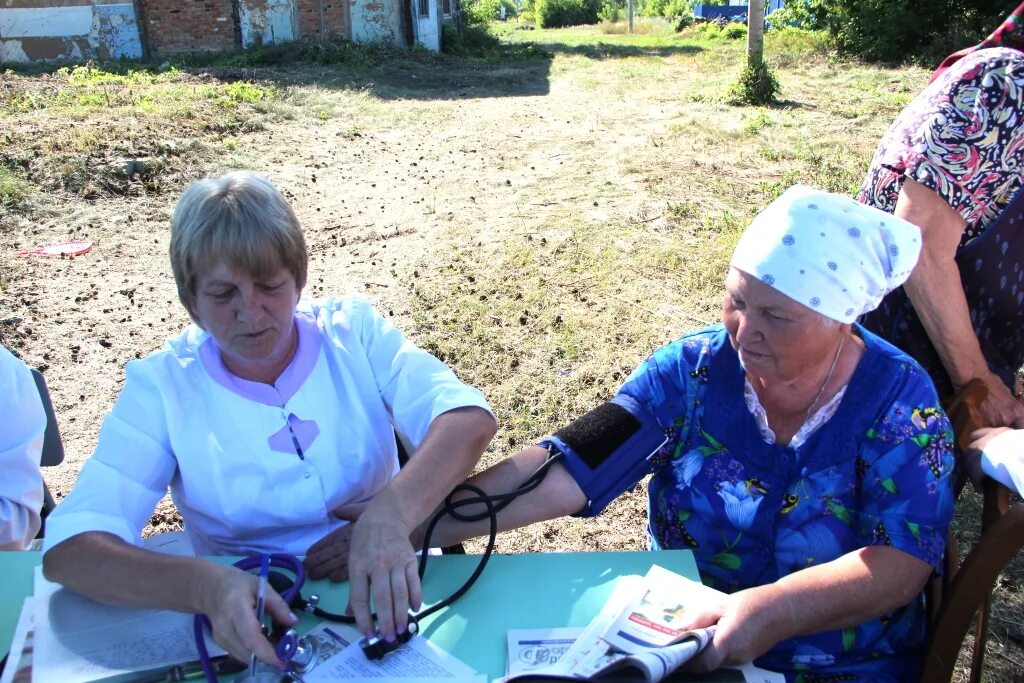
{"x": 251, "y": 319}
{"x": 775, "y": 337}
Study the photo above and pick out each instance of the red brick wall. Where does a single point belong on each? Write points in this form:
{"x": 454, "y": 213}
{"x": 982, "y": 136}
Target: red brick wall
{"x": 335, "y": 22}
{"x": 189, "y": 25}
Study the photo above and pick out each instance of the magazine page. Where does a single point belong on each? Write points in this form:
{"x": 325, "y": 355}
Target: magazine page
{"x": 530, "y": 649}
{"x": 657, "y": 663}
{"x": 652, "y": 621}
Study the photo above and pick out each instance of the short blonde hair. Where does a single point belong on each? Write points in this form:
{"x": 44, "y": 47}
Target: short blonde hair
{"x": 241, "y": 219}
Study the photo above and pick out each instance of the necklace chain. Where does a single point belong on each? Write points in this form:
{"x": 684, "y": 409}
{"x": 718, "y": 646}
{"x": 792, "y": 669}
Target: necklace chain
{"x": 832, "y": 369}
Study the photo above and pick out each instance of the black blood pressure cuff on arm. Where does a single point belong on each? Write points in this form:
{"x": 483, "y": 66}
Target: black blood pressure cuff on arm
{"x": 608, "y": 450}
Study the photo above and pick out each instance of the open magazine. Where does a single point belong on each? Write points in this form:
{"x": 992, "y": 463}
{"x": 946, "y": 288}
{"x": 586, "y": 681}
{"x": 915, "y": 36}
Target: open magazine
{"x": 635, "y": 637}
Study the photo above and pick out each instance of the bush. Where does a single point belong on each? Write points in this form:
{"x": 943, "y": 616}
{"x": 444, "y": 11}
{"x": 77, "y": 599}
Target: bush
{"x": 677, "y": 8}
{"x": 479, "y": 13}
{"x": 733, "y": 31}
{"x": 756, "y": 85}
{"x": 472, "y": 40}
{"x": 610, "y": 11}
{"x": 684, "y": 21}
{"x": 559, "y": 13}
{"x": 709, "y": 31}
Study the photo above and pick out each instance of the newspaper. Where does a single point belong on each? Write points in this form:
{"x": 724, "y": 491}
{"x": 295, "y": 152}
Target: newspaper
{"x": 635, "y": 635}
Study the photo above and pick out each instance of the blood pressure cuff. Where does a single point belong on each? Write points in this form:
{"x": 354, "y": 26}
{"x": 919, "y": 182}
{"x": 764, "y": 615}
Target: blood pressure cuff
{"x": 608, "y": 450}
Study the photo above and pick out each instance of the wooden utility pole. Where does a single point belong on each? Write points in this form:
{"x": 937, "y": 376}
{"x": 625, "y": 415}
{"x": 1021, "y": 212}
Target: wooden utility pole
{"x": 755, "y": 32}
{"x": 630, "y": 10}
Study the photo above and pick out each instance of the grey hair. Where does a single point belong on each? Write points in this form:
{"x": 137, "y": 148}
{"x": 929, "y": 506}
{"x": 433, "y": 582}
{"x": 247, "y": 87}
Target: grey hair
{"x": 241, "y": 219}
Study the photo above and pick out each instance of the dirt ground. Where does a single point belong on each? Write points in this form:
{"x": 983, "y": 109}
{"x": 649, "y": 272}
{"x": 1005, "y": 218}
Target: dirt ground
{"x": 378, "y": 172}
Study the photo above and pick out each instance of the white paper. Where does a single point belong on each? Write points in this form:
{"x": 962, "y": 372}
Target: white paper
{"x": 418, "y": 659}
{"x": 17, "y": 658}
{"x": 78, "y": 639}
{"x": 170, "y": 543}
{"x": 533, "y": 648}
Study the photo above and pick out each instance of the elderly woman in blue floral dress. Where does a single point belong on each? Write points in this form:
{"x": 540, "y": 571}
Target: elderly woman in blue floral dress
{"x": 804, "y": 460}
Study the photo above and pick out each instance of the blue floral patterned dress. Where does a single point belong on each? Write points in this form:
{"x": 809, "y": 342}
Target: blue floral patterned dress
{"x": 963, "y": 138}
{"x": 876, "y": 473}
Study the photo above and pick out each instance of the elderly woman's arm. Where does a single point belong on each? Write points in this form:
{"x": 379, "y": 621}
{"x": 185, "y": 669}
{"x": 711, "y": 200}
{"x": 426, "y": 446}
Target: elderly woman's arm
{"x": 937, "y": 293}
{"x": 859, "y": 586}
{"x": 105, "y": 568}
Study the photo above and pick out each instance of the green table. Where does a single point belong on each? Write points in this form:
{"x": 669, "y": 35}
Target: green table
{"x": 535, "y": 590}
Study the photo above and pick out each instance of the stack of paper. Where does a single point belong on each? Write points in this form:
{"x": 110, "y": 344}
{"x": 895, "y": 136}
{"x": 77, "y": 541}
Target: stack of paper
{"x": 62, "y": 636}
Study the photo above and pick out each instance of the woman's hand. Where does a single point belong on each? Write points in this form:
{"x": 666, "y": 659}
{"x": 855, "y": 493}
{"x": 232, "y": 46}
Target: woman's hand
{"x": 749, "y": 623}
{"x": 1000, "y": 408}
{"x": 381, "y": 563}
{"x": 328, "y": 557}
{"x": 228, "y": 598}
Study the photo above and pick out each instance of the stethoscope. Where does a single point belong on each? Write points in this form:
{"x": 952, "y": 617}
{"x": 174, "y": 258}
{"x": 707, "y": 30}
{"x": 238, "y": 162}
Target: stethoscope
{"x": 299, "y": 653}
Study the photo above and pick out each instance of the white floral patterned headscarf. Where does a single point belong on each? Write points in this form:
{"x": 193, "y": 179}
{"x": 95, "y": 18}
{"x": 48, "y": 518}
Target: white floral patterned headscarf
{"x": 828, "y": 252}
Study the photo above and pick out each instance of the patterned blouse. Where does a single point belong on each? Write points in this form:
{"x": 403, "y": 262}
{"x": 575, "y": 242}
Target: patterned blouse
{"x": 963, "y": 138}
{"x": 877, "y": 473}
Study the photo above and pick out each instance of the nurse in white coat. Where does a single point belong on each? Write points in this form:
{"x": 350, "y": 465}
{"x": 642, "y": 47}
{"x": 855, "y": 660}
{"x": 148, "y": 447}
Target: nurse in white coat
{"x": 263, "y": 418}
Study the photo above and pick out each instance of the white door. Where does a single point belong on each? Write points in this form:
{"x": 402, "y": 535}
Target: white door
{"x": 281, "y": 19}
{"x": 427, "y": 24}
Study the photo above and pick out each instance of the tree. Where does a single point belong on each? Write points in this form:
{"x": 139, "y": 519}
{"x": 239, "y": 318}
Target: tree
{"x": 757, "y": 84}
{"x": 900, "y": 30}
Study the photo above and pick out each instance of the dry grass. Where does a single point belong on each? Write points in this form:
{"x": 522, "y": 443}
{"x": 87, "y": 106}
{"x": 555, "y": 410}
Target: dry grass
{"x": 540, "y": 224}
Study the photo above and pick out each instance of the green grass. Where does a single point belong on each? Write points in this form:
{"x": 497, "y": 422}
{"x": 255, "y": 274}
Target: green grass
{"x": 14, "y": 190}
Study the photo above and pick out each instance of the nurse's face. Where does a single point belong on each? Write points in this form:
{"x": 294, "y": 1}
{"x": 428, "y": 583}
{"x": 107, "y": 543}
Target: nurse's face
{"x": 775, "y": 337}
{"x": 250, "y": 319}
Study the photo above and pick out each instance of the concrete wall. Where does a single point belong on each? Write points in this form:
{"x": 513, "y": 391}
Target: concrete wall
{"x": 79, "y": 30}
{"x": 68, "y": 30}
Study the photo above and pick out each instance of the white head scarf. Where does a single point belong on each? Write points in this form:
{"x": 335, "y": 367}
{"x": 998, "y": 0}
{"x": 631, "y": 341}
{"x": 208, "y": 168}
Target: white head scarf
{"x": 828, "y": 252}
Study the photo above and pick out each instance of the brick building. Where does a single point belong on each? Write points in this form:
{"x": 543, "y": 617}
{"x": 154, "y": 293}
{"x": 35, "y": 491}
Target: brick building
{"x": 77, "y": 30}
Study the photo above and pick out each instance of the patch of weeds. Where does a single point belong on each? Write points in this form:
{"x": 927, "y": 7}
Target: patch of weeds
{"x": 770, "y": 154}
{"x": 757, "y": 122}
{"x": 232, "y": 94}
{"x": 774, "y": 189}
{"x": 680, "y": 209}
{"x": 14, "y": 190}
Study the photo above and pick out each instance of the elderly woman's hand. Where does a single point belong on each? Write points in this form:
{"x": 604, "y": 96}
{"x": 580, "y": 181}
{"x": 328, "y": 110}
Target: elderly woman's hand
{"x": 228, "y": 596}
{"x": 328, "y": 557}
{"x": 1000, "y": 408}
{"x": 748, "y": 623}
{"x": 382, "y": 562}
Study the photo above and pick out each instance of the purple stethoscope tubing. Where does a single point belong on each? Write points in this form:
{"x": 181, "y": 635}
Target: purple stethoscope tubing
{"x": 286, "y": 648}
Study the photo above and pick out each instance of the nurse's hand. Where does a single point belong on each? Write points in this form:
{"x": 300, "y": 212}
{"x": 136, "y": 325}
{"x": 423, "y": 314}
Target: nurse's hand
{"x": 228, "y": 596}
{"x": 328, "y": 557}
{"x": 382, "y": 563}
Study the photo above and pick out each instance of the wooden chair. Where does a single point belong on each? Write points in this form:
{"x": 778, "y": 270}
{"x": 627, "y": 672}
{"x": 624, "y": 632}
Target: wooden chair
{"x": 53, "y": 447}
{"x": 966, "y": 589}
